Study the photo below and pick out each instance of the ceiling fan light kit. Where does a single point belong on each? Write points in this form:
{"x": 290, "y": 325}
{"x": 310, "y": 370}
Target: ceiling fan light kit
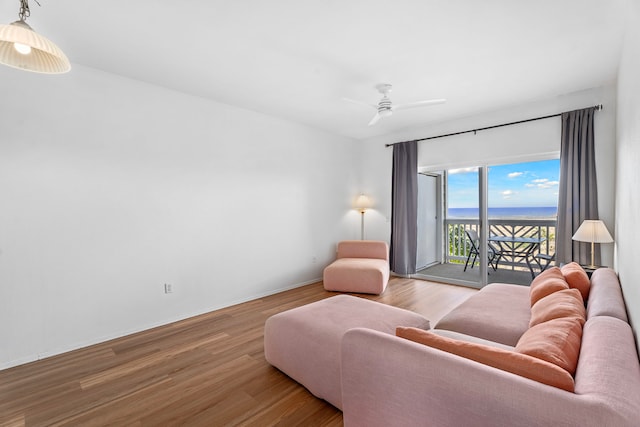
{"x": 21, "y": 47}
{"x": 385, "y": 107}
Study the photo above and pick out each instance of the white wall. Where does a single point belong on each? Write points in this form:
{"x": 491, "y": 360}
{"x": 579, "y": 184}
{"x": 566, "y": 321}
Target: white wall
{"x": 516, "y": 143}
{"x": 111, "y": 188}
{"x": 628, "y": 170}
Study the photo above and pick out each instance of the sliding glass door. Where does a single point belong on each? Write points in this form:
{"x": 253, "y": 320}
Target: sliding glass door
{"x": 498, "y": 224}
{"x": 522, "y": 213}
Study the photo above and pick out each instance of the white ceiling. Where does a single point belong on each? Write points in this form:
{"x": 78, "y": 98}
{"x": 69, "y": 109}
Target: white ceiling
{"x": 297, "y": 59}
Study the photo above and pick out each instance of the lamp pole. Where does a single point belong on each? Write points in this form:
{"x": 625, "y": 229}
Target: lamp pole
{"x": 362, "y": 204}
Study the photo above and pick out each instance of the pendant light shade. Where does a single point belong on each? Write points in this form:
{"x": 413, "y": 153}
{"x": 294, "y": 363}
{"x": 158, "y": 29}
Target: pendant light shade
{"x": 23, "y": 48}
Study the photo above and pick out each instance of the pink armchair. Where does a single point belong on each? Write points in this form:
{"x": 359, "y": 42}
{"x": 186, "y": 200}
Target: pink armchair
{"x": 362, "y": 266}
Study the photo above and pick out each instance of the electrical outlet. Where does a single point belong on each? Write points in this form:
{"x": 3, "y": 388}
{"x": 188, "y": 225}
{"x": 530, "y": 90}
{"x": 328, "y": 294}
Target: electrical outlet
{"x": 168, "y": 288}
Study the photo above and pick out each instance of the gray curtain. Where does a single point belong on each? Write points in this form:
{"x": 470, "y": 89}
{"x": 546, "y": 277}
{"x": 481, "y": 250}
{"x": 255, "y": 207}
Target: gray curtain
{"x": 404, "y": 208}
{"x": 578, "y": 196}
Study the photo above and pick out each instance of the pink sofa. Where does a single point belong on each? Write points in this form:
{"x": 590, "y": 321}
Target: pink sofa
{"x": 361, "y": 266}
{"x": 392, "y": 381}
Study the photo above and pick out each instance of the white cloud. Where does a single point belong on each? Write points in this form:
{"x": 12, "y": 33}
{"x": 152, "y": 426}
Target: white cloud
{"x": 462, "y": 170}
{"x": 542, "y": 183}
{"x": 548, "y": 184}
{"x": 506, "y": 194}
{"x": 515, "y": 174}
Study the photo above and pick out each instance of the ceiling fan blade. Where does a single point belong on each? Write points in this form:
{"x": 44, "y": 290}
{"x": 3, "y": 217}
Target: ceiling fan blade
{"x": 419, "y": 104}
{"x": 354, "y": 101}
{"x": 375, "y": 119}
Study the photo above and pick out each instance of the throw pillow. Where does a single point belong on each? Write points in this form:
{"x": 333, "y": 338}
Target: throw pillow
{"x": 546, "y": 283}
{"x": 556, "y": 341}
{"x": 564, "y": 303}
{"x": 505, "y": 360}
{"x": 577, "y": 278}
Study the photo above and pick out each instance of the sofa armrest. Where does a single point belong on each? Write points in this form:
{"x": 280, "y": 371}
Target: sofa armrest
{"x": 390, "y": 381}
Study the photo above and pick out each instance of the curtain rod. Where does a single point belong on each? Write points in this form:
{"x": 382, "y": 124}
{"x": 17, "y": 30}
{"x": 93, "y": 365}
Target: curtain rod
{"x": 597, "y": 107}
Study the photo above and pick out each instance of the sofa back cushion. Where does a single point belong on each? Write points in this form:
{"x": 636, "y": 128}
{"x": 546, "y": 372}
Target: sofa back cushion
{"x": 546, "y": 283}
{"x": 605, "y": 296}
{"x": 517, "y": 363}
{"x": 556, "y": 341}
{"x": 363, "y": 249}
{"x": 564, "y": 303}
{"x": 576, "y": 278}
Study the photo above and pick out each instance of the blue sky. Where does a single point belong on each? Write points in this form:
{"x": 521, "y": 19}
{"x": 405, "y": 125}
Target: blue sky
{"x": 528, "y": 184}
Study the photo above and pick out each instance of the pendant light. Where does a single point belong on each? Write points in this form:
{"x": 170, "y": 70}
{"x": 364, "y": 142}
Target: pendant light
{"x": 23, "y": 48}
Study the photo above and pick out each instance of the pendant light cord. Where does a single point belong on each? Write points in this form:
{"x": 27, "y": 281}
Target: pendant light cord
{"x": 24, "y": 9}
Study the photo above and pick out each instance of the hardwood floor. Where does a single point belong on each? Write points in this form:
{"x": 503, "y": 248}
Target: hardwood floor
{"x": 208, "y": 370}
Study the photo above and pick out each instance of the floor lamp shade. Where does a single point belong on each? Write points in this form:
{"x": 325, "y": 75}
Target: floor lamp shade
{"x": 592, "y": 231}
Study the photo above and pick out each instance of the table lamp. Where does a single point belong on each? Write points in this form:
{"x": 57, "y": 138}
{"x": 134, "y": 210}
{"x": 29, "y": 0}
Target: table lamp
{"x": 594, "y": 231}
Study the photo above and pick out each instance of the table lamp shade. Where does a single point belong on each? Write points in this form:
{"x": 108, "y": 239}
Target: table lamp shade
{"x": 593, "y": 231}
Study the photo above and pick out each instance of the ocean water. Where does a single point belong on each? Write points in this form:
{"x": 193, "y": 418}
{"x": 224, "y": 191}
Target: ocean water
{"x": 546, "y": 212}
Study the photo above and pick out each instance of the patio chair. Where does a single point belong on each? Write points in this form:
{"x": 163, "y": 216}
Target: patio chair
{"x": 546, "y": 258}
{"x": 493, "y": 253}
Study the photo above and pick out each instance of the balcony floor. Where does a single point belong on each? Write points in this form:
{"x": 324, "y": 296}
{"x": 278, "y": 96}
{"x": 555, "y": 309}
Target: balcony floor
{"x": 457, "y": 273}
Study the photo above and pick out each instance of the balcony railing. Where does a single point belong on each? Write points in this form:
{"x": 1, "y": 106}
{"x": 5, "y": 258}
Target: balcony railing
{"x": 458, "y": 244}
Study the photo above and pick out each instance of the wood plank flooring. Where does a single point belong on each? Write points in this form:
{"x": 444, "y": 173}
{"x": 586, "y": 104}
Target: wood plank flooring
{"x": 208, "y": 370}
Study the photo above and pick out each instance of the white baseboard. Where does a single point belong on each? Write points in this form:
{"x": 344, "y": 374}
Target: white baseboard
{"x": 120, "y": 334}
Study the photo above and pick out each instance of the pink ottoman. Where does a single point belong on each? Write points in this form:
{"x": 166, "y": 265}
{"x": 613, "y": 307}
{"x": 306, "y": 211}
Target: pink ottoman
{"x": 305, "y": 342}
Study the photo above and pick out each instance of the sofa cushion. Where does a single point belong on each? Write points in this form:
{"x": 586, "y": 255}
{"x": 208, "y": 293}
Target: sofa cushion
{"x": 363, "y": 275}
{"x": 499, "y": 312}
{"x": 546, "y": 283}
{"x": 564, "y": 303}
{"x": 576, "y": 278}
{"x": 506, "y": 360}
{"x": 556, "y": 341}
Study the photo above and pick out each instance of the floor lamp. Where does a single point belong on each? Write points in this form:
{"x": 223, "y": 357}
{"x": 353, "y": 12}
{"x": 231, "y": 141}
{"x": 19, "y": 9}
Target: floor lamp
{"x": 594, "y": 231}
{"x": 362, "y": 204}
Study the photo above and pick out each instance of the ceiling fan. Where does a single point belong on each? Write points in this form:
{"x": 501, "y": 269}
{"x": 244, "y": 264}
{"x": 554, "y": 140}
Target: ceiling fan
{"x": 385, "y": 108}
